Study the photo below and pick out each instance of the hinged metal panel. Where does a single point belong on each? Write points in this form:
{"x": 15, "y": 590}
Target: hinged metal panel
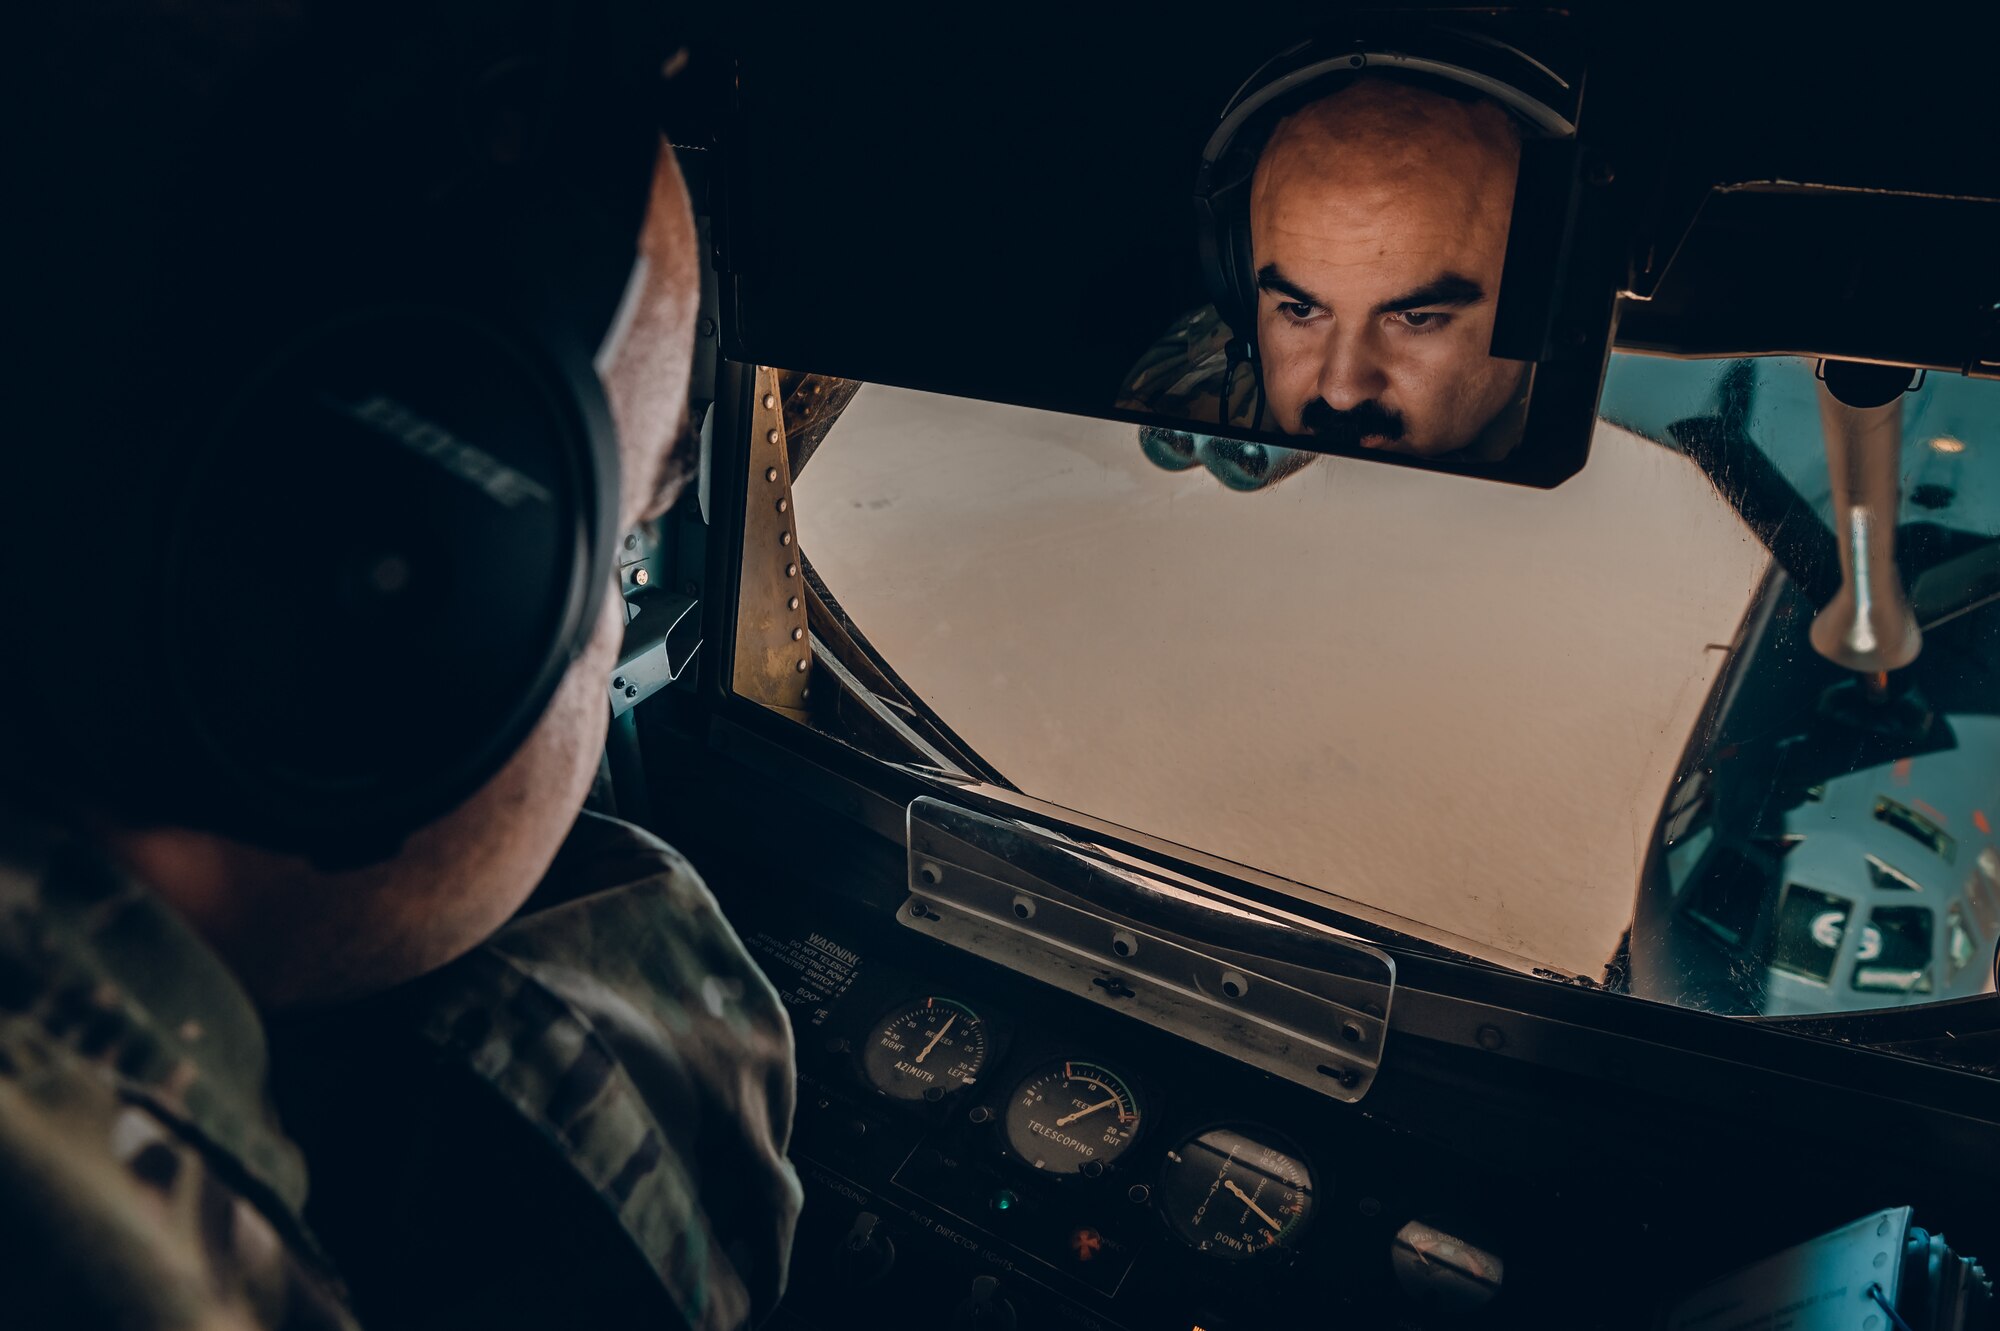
{"x": 1304, "y": 1003}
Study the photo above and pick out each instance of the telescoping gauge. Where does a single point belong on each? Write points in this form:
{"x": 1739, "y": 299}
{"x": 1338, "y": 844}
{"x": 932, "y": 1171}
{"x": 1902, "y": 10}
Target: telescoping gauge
{"x": 926, "y": 1051}
{"x": 1072, "y": 1118}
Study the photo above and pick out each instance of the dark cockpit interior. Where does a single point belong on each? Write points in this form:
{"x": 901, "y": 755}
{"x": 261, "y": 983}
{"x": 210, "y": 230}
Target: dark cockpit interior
{"x": 1220, "y": 881}
{"x": 1344, "y": 665}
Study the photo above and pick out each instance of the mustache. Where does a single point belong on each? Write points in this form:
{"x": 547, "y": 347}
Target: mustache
{"x": 1368, "y": 420}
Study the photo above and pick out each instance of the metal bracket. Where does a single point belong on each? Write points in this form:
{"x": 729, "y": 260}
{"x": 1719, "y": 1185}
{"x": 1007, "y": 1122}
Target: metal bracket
{"x": 773, "y": 660}
{"x": 1306, "y": 1004}
{"x": 662, "y": 634}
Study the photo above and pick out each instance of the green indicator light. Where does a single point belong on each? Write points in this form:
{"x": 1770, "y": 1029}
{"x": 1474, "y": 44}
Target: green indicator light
{"x": 1004, "y": 1200}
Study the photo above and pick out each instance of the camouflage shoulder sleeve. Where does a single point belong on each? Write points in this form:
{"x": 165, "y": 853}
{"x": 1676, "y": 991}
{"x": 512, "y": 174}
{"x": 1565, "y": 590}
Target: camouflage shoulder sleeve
{"x": 629, "y": 1031}
{"x": 1185, "y": 373}
{"x": 120, "y": 1206}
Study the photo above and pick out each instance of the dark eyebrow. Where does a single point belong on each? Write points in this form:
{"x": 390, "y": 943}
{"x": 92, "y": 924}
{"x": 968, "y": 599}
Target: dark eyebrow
{"x": 1270, "y": 279}
{"x": 1447, "y": 289}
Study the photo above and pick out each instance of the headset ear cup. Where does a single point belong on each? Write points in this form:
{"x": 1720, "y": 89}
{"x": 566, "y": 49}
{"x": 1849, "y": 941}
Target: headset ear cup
{"x": 379, "y": 575}
{"x": 1223, "y": 232}
{"x": 1241, "y": 315}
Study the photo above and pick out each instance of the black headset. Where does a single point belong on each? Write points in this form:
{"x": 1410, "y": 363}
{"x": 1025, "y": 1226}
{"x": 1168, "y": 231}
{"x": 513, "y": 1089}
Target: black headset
{"x": 372, "y": 493}
{"x": 1542, "y": 101}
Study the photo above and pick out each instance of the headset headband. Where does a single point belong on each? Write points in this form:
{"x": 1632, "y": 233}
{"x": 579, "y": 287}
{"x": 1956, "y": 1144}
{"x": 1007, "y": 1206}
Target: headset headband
{"x": 1538, "y": 98}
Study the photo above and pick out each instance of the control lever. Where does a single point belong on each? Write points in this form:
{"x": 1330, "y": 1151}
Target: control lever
{"x": 1868, "y": 626}
{"x": 868, "y": 1252}
{"x": 984, "y": 1309}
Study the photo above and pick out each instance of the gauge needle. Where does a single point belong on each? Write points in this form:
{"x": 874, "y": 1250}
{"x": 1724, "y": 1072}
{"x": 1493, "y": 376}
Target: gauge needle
{"x": 939, "y": 1036}
{"x": 1068, "y": 1119}
{"x": 1244, "y": 1197}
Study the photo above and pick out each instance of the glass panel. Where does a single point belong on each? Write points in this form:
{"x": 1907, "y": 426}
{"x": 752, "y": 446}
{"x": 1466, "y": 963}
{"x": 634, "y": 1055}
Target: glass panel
{"x": 1895, "y": 955}
{"x": 1596, "y": 730}
{"x": 1730, "y": 895}
{"x": 1961, "y": 947}
{"x": 1982, "y": 892}
{"x": 1888, "y": 877}
{"x": 1917, "y": 827}
{"x": 1811, "y": 925}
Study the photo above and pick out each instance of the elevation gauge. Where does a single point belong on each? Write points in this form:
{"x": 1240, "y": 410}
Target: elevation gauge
{"x": 1231, "y": 1195}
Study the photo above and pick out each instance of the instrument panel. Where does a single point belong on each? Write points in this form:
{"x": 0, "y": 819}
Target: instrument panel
{"x": 973, "y": 1143}
{"x": 1229, "y": 1192}
{"x": 1518, "y": 1158}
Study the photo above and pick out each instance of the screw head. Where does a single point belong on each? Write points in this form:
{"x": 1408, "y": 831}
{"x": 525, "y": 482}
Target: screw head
{"x": 770, "y": 436}
{"x": 784, "y": 538}
{"x": 640, "y": 576}
{"x": 791, "y": 570}
{"x": 631, "y": 542}
{"x": 803, "y": 663}
{"x": 792, "y": 604}
{"x": 798, "y": 634}
{"x": 770, "y": 401}
{"x": 631, "y": 690}
{"x": 770, "y": 473}
{"x": 618, "y": 682}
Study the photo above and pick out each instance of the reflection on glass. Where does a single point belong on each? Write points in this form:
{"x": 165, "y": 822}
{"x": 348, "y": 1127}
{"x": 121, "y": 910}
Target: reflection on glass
{"x": 1982, "y": 892}
{"x": 1888, "y": 877}
{"x": 1581, "y": 729}
{"x": 1917, "y": 827}
{"x": 1961, "y": 943}
{"x": 1895, "y": 954}
{"x": 1377, "y": 220}
{"x": 1729, "y": 901}
{"x": 1811, "y": 925}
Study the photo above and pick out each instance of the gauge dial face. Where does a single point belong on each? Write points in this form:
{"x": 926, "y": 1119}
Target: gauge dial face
{"x": 925, "y": 1052}
{"x": 1234, "y": 1197}
{"x": 1072, "y": 1118}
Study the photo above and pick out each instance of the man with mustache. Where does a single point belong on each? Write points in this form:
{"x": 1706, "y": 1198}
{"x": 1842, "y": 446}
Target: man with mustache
{"x": 1378, "y": 225}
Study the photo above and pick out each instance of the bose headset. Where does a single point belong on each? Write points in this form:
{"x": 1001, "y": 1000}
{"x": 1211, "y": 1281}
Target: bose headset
{"x": 369, "y": 505}
{"x": 1540, "y": 100}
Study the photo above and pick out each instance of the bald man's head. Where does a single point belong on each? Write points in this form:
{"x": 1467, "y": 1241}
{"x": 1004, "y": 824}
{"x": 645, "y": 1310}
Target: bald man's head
{"x": 1378, "y": 228}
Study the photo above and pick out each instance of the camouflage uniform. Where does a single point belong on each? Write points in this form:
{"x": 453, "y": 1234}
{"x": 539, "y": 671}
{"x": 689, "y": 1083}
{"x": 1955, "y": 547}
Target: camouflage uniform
{"x": 581, "y": 1122}
{"x": 144, "y": 1181}
{"x": 1181, "y": 375}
